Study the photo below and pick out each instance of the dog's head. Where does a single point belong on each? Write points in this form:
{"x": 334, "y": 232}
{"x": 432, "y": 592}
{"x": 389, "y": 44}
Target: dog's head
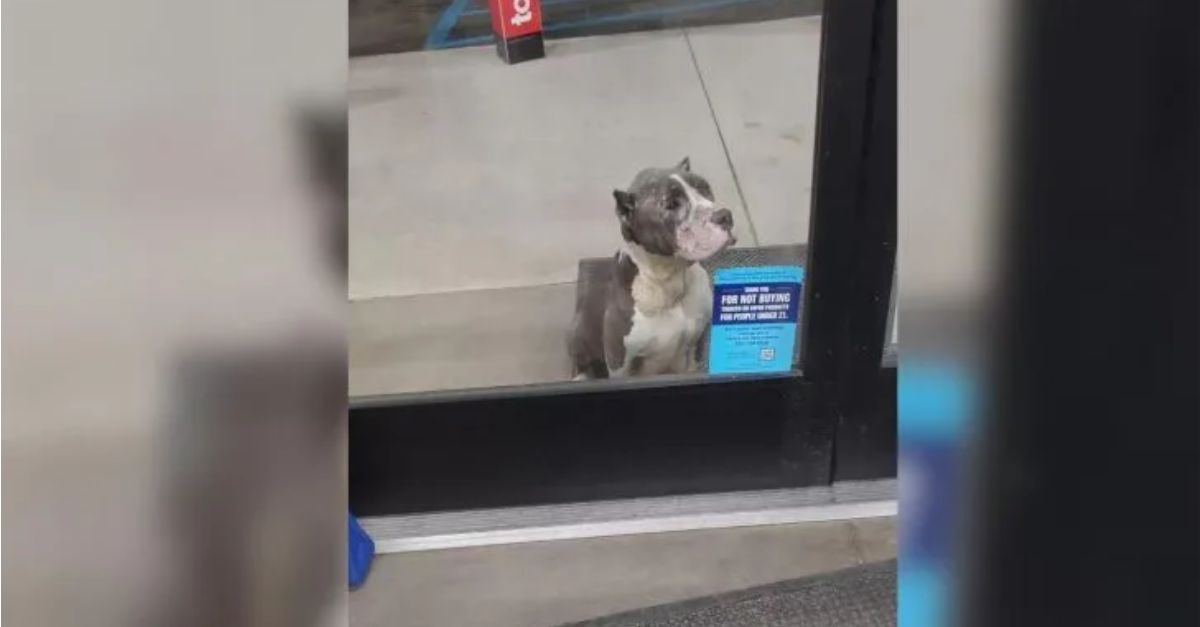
{"x": 671, "y": 212}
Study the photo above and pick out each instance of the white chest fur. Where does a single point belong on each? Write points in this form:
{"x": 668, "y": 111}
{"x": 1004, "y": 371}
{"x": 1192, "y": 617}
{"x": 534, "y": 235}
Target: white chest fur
{"x": 671, "y": 314}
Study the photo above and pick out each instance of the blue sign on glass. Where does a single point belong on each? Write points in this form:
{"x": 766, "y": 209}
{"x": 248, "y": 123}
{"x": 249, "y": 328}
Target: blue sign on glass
{"x": 755, "y": 310}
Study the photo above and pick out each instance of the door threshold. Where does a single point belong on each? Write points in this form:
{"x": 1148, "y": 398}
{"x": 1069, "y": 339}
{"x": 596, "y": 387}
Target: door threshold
{"x": 513, "y": 525}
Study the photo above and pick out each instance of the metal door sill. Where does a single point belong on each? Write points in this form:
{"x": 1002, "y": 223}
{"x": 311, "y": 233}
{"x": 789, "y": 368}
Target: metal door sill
{"x": 423, "y": 532}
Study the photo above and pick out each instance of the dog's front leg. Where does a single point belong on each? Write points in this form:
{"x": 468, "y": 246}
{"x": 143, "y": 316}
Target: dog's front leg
{"x": 697, "y": 356}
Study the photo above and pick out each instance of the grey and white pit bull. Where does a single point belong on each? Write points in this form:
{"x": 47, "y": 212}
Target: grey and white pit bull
{"x": 651, "y": 313}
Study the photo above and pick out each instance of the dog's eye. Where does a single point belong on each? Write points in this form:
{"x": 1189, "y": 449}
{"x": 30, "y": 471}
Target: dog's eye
{"x": 675, "y": 200}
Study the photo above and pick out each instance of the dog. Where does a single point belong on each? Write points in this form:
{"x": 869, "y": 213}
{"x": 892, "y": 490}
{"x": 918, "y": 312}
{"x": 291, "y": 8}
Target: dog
{"x": 650, "y": 314}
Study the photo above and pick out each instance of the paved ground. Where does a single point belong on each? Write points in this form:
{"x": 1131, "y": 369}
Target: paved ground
{"x": 472, "y": 181}
{"x": 548, "y": 583}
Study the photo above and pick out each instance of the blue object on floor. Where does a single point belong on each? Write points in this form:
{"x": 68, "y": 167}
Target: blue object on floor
{"x": 360, "y": 551}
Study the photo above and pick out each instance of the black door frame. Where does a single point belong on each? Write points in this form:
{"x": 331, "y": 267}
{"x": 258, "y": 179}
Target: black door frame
{"x": 833, "y": 417}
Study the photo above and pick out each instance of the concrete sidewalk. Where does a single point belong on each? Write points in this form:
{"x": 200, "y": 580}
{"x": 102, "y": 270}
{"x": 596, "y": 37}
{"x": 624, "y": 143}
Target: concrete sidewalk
{"x": 476, "y": 187}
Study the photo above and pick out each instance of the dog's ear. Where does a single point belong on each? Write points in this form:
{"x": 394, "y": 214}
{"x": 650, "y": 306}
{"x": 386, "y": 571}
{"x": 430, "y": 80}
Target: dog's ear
{"x": 624, "y": 204}
{"x": 685, "y": 164}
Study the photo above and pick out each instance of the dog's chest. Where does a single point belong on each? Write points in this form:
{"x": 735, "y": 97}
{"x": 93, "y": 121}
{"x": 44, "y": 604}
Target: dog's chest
{"x": 668, "y": 321}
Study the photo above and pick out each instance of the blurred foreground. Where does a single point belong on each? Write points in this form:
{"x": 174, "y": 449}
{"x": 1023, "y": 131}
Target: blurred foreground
{"x": 174, "y": 382}
{"x": 1049, "y": 412}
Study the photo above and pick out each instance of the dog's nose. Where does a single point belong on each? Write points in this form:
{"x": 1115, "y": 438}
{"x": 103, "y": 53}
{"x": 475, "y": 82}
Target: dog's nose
{"x": 724, "y": 218}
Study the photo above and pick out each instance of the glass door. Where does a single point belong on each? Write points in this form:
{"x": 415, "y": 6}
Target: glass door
{"x": 579, "y": 245}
